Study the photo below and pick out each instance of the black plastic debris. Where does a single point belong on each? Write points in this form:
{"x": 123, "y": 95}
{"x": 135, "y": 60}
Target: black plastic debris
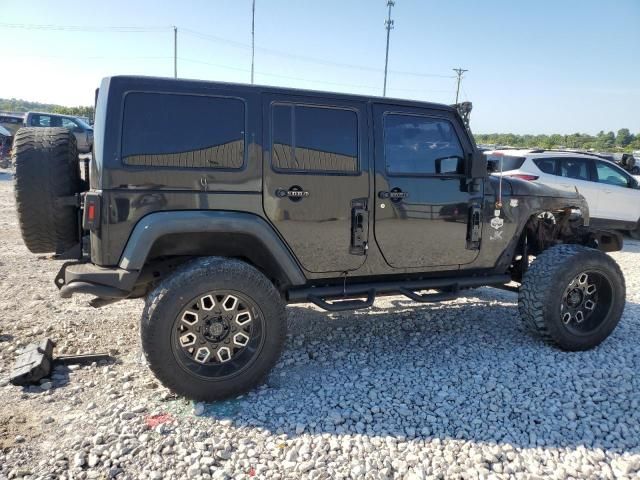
{"x": 36, "y": 361}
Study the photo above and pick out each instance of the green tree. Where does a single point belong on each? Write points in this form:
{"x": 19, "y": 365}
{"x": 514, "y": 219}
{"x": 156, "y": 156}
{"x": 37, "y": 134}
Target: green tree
{"x": 624, "y": 137}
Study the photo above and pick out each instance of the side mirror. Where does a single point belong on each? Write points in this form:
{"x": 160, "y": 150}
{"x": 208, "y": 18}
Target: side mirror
{"x": 449, "y": 165}
{"x": 477, "y": 165}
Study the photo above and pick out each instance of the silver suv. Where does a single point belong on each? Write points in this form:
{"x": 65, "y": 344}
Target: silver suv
{"x": 81, "y": 129}
{"x": 613, "y": 195}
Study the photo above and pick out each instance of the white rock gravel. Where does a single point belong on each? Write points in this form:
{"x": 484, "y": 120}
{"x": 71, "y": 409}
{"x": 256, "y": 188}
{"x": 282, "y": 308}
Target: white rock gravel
{"x": 457, "y": 390}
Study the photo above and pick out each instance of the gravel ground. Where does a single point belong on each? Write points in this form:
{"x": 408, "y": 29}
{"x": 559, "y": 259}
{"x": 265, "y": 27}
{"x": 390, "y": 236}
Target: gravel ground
{"x": 457, "y": 390}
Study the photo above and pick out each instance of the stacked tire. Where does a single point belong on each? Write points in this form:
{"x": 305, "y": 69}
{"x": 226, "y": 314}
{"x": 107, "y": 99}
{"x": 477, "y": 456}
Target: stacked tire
{"x": 46, "y": 171}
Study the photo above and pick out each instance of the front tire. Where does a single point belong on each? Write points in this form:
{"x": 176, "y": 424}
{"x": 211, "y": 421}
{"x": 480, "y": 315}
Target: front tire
{"x": 572, "y": 296}
{"x": 213, "y": 329}
{"x": 635, "y": 234}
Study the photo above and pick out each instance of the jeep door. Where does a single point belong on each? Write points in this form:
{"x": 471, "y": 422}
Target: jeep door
{"x": 422, "y": 199}
{"x": 316, "y": 181}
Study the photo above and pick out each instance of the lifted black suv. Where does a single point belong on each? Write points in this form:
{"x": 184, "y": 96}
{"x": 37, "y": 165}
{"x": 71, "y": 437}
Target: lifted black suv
{"x": 269, "y": 196}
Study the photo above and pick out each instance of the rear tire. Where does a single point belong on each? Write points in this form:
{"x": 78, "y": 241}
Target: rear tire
{"x": 635, "y": 234}
{"x": 46, "y": 168}
{"x": 213, "y": 329}
{"x": 572, "y": 296}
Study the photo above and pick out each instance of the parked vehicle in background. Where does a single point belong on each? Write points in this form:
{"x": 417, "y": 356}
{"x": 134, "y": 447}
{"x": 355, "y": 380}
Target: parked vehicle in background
{"x": 5, "y": 147}
{"x": 11, "y": 121}
{"x": 613, "y": 194}
{"x": 269, "y": 196}
{"x": 81, "y": 129}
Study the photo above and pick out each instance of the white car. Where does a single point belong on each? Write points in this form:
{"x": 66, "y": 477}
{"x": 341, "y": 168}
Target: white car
{"x": 613, "y": 195}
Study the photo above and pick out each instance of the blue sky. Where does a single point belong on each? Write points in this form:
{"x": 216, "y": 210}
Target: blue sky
{"x": 541, "y": 66}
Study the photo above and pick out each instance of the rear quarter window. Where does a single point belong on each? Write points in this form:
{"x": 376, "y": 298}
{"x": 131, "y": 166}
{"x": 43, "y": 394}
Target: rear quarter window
{"x": 546, "y": 165}
{"x": 508, "y": 162}
{"x": 187, "y": 131}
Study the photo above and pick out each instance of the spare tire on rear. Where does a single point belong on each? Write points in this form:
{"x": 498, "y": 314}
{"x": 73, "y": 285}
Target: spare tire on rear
{"x": 46, "y": 169}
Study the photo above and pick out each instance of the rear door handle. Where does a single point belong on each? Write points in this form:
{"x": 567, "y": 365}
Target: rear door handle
{"x": 294, "y": 193}
{"x": 393, "y": 194}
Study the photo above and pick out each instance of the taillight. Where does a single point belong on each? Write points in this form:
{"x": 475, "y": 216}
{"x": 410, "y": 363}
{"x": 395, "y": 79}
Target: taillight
{"x": 91, "y": 214}
{"x": 524, "y": 176}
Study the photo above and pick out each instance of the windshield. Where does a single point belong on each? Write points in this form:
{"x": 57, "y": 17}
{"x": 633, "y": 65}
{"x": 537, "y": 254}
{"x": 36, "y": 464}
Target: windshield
{"x": 82, "y": 123}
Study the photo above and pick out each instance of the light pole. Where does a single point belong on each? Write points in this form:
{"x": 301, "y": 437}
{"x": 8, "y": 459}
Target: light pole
{"x": 388, "y": 23}
{"x": 175, "y": 52}
{"x": 253, "y": 36}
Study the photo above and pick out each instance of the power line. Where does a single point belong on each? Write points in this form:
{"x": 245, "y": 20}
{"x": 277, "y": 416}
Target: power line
{"x": 239, "y": 69}
{"x": 93, "y": 57}
{"x": 213, "y": 38}
{"x": 280, "y": 53}
{"x": 83, "y": 28}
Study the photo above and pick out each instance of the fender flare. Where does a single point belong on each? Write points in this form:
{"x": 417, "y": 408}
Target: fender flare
{"x": 156, "y": 225}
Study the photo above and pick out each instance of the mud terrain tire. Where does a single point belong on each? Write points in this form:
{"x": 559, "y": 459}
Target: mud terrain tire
{"x": 190, "y": 313}
{"x": 572, "y": 296}
{"x": 46, "y": 168}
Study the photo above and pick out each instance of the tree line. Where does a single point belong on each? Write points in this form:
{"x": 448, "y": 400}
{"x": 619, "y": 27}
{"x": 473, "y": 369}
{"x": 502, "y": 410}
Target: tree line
{"x": 20, "y": 106}
{"x": 623, "y": 141}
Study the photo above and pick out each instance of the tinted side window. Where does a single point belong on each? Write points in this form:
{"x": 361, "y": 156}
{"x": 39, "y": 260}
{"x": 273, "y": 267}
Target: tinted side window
{"x": 577, "y": 168}
{"x": 282, "y": 136}
{"x": 41, "y": 121}
{"x": 320, "y": 139}
{"x": 546, "y": 165}
{"x": 190, "y": 131}
{"x": 421, "y": 145}
{"x": 610, "y": 175}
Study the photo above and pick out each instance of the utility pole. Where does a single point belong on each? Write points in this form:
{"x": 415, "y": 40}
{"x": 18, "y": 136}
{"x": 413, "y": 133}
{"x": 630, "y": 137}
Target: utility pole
{"x": 459, "y": 72}
{"x": 388, "y": 23}
{"x": 253, "y": 36}
{"x": 175, "y": 52}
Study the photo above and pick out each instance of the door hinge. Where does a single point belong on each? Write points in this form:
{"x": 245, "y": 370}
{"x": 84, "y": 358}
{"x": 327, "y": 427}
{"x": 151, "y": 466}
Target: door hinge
{"x": 359, "y": 227}
{"x": 474, "y": 230}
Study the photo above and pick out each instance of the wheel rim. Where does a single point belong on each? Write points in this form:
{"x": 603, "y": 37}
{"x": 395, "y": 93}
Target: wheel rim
{"x": 218, "y": 334}
{"x": 586, "y": 302}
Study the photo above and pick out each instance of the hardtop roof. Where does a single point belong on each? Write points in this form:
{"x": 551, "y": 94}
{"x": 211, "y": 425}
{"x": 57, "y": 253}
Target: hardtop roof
{"x": 186, "y": 84}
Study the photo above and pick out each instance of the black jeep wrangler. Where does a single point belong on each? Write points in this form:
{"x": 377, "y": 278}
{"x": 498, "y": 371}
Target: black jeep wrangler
{"x": 221, "y": 203}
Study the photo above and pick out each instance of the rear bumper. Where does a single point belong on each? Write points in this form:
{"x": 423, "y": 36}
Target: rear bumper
{"x": 105, "y": 283}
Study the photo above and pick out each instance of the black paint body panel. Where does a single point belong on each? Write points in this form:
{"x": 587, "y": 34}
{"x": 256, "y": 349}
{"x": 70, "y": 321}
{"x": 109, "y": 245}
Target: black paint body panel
{"x": 424, "y": 234}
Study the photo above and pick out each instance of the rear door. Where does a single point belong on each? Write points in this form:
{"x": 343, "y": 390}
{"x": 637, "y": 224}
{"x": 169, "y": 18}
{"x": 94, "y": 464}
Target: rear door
{"x": 577, "y": 173}
{"x": 422, "y": 203}
{"x": 316, "y": 181}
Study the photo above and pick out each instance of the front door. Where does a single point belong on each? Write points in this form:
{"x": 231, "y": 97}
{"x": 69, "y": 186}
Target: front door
{"x": 422, "y": 199}
{"x": 618, "y": 200}
{"x": 316, "y": 180}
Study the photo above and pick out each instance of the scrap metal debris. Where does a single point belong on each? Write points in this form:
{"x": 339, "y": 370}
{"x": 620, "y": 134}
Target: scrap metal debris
{"x": 36, "y": 362}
